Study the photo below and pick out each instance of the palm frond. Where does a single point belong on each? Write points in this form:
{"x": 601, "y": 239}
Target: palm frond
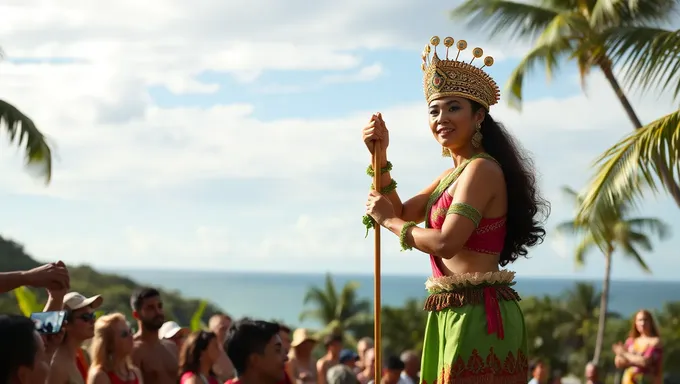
{"x": 631, "y": 12}
{"x": 630, "y": 251}
{"x": 549, "y": 55}
{"x": 641, "y": 240}
{"x": 509, "y": 18}
{"x": 650, "y": 225}
{"x": 585, "y": 245}
{"x": 23, "y": 132}
{"x": 649, "y": 57}
{"x": 626, "y": 169}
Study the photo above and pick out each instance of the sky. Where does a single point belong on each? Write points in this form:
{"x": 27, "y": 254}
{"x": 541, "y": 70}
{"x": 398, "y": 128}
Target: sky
{"x": 227, "y": 136}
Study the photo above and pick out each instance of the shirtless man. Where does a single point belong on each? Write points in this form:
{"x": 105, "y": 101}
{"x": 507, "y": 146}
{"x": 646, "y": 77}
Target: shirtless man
{"x": 333, "y": 344}
{"x": 219, "y": 324}
{"x": 70, "y": 363}
{"x": 155, "y": 358}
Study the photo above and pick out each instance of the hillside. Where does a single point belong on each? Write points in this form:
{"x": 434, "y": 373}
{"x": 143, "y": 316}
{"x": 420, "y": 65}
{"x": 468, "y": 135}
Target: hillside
{"x": 115, "y": 289}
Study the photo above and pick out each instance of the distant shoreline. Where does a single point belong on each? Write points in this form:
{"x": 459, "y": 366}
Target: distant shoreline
{"x": 360, "y": 274}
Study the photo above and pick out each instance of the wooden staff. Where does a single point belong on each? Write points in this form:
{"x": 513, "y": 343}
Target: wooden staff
{"x": 377, "y": 348}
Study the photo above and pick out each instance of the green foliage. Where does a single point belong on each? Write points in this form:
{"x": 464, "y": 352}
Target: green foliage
{"x": 629, "y": 168}
{"x": 115, "y": 289}
{"x": 588, "y": 33}
{"x": 339, "y": 311}
{"x": 27, "y": 301}
{"x": 23, "y": 132}
{"x": 196, "y": 319}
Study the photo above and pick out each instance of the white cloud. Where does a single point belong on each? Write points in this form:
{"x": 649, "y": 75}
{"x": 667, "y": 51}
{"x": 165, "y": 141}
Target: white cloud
{"x": 123, "y": 159}
{"x": 170, "y": 42}
{"x": 367, "y": 73}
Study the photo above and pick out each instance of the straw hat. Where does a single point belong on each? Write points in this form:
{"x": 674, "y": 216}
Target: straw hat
{"x": 300, "y": 336}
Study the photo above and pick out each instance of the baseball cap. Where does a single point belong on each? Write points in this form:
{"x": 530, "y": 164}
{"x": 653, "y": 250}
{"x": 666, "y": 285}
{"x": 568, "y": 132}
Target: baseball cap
{"x": 169, "y": 329}
{"x": 348, "y": 355}
{"x": 74, "y": 301}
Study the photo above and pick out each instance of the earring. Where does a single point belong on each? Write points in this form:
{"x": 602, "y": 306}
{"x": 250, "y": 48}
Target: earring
{"x": 477, "y": 137}
{"x": 446, "y": 152}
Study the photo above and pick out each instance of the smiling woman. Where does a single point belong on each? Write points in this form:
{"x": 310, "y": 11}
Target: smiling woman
{"x": 483, "y": 213}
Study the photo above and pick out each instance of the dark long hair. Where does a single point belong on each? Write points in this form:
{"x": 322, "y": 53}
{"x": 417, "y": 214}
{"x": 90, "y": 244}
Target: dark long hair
{"x": 192, "y": 349}
{"x": 527, "y": 210}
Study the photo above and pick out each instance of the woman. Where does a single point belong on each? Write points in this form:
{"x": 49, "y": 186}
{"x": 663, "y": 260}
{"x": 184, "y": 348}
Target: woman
{"x": 480, "y": 214}
{"x": 110, "y": 352}
{"x": 301, "y": 366}
{"x": 642, "y": 354}
{"x": 199, "y": 352}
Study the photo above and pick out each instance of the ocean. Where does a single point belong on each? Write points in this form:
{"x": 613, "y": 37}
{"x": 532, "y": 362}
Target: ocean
{"x": 280, "y": 296}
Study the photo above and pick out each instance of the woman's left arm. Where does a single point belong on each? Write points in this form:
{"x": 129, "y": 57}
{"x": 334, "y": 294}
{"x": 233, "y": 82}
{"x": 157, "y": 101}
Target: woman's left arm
{"x": 652, "y": 355}
{"x": 475, "y": 189}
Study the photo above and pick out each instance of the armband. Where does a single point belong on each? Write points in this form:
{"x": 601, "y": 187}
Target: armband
{"x": 389, "y": 188}
{"x": 402, "y": 235}
{"x": 383, "y": 170}
{"x": 465, "y": 210}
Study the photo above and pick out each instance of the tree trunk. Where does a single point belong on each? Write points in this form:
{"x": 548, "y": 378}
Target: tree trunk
{"x": 604, "y": 300}
{"x": 664, "y": 173}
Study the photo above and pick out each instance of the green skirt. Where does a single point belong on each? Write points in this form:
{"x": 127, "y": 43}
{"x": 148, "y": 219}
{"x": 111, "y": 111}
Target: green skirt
{"x": 475, "y": 331}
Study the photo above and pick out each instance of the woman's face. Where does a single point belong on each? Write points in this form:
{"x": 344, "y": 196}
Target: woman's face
{"x": 642, "y": 323}
{"x": 452, "y": 121}
{"x": 122, "y": 338}
{"x": 80, "y": 325}
{"x": 212, "y": 352}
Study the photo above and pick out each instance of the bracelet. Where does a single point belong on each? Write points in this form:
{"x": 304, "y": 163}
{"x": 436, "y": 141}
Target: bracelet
{"x": 389, "y": 188}
{"x": 383, "y": 170}
{"x": 402, "y": 236}
{"x": 369, "y": 223}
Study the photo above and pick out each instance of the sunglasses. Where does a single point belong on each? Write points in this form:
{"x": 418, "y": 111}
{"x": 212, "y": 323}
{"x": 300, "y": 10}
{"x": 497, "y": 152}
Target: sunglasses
{"x": 87, "y": 317}
{"x": 124, "y": 334}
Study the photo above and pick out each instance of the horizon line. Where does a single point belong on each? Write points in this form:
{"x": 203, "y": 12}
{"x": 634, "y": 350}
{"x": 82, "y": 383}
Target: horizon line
{"x": 364, "y": 274}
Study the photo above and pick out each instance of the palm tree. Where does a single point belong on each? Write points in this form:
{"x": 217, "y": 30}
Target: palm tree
{"x": 337, "y": 311}
{"x": 403, "y": 327}
{"x": 588, "y": 32}
{"x": 23, "y": 132}
{"x": 581, "y": 303}
{"x": 613, "y": 231}
{"x": 626, "y": 169}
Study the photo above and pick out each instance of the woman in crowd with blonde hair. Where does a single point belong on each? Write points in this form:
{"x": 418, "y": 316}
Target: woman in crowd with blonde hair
{"x": 641, "y": 356}
{"x": 301, "y": 367}
{"x": 110, "y": 352}
{"x": 197, "y": 357}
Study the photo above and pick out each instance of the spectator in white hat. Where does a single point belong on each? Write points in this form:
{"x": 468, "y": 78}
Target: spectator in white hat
{"x": 70, "y": 363}
{"x": 171, "y": 331}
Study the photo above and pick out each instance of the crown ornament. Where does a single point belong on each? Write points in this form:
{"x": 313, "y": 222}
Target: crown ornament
{"x": 450, "y": 77}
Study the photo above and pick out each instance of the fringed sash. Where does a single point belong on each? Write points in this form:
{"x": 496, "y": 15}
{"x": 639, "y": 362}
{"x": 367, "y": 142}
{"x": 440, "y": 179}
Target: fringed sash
{"x": 473, "y": 289}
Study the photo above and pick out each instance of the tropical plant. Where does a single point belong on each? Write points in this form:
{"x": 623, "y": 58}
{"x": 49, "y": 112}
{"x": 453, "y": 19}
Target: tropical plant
{"x": 403, "y": 327}
{"x": 593, "y": 33}
{"x": 629, "y": 168}
{"x": 23, "y": 132}
{"x": 27, "y": 301}
{"x": 338, "y": 311}
{"x": 613, "y": 231}
{"x": 197, "y": 323}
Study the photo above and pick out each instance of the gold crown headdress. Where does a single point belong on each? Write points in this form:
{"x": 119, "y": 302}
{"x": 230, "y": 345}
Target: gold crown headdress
{"x": 457, "y": 78}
